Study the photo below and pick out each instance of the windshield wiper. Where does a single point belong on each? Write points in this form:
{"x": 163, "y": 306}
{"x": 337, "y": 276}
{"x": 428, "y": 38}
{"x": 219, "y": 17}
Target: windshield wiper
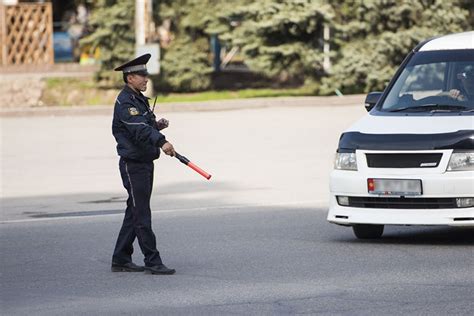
{"x": 431, "y": 107}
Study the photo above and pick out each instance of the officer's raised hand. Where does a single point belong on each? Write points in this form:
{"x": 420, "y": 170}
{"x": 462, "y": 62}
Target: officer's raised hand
{"x": 162, "y": 124}
{"x": 168, "y": 149}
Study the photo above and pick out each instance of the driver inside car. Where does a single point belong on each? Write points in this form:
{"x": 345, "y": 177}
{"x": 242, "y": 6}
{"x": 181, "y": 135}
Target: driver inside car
{"x": 466, "y": 91}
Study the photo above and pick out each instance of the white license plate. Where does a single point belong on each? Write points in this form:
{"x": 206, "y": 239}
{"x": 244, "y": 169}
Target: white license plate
{"x": 398, "y": 187}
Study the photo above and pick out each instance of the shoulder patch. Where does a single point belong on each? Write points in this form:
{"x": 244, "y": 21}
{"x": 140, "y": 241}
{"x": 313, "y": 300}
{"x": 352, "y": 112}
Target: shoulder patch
{"x": 133, "y": 111}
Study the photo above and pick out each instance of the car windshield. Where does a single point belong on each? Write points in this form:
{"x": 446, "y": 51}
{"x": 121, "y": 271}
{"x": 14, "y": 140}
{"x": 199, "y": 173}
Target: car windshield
{"x": 434, "y": 81}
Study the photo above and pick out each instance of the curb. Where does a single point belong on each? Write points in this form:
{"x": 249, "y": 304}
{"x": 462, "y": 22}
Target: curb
{"x": 215, "y": 105}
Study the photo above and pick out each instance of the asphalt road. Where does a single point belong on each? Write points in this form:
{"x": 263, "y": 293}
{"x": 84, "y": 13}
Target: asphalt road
{"x": 253, "y": 240}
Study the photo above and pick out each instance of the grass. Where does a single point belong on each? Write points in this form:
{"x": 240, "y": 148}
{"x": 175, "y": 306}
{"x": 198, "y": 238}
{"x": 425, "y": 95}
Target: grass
{"x": 70, "y": 91}
{"x": 239, "y": 94}
{"x": 61, "y": 83}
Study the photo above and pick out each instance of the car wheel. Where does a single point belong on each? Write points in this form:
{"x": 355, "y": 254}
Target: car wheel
{"x": 368, "y": 231}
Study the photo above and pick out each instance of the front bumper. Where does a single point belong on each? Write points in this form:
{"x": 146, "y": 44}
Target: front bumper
{"x": 435, "y": 185}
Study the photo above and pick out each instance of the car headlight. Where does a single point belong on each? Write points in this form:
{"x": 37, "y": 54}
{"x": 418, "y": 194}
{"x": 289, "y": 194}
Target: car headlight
{"x": 461, "y": 161}
{"x": 345, "y": 161}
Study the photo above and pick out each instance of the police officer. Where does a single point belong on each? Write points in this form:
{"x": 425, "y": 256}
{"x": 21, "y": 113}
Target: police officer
{"x": 139, "y": 141}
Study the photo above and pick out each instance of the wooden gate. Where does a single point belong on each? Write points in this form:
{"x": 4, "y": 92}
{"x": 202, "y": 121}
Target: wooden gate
{"x": 26, "y": 34}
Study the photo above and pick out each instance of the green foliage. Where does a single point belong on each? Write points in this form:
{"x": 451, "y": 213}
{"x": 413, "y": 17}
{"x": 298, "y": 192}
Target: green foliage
{"x": 185, "y": 66}
{"x": 277, "y": 38}
{"x": 373, "y": 36}
{"x": 114, "y": 33}
{"x": 281, "y": 38}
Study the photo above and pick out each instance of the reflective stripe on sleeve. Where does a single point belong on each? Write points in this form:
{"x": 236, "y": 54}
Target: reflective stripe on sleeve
{"x": 128, "y": 123}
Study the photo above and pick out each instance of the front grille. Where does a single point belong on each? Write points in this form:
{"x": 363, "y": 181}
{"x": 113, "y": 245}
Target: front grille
{"x": 403, "y": 160}
{"x": 402, "y": 203}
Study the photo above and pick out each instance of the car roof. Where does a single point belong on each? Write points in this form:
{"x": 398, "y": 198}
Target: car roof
{"x": 453, "y": 41}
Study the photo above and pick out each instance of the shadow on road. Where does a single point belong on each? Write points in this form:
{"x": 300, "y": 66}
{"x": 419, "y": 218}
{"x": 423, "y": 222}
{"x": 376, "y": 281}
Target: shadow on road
{"x": 183, "y": 195}
{"x": 419, "y": 235}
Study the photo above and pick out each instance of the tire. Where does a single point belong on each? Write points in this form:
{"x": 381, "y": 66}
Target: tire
{"x": 364, "y": 231}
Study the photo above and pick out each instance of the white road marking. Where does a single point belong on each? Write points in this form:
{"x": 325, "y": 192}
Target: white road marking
{"x": 309, "y": 203}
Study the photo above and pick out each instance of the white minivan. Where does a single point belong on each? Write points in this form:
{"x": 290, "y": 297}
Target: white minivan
{"x": 410, "y": 160}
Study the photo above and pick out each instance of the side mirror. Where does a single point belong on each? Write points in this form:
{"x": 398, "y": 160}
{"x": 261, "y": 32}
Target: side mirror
{"x": 371, "y": 100}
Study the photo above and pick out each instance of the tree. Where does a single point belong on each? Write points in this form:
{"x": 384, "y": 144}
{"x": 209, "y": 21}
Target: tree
{"x": 373, "y": 36}
{"x": 186, "y": 65}
{"x": 277, "y": 38}
{"x": 113, "y": 34}
{"x": 281, "y": 38}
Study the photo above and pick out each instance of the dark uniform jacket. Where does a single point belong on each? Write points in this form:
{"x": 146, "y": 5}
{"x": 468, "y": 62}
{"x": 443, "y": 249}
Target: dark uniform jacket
{"x": 134, "y": 127}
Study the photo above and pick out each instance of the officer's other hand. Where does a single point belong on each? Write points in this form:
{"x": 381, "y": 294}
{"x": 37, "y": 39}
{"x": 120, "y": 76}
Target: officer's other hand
{"x": 162, "y": 123}
{"x": 168, "y": 149}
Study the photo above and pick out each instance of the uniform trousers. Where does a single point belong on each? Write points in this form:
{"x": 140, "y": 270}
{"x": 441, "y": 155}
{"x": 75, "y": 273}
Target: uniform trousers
{"x": 137, "y": 178}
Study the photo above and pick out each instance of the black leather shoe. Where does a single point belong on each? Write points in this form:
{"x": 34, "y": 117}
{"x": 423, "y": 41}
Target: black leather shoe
{"x": 127, "y": 267}
{"x": 159, "y": 269}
